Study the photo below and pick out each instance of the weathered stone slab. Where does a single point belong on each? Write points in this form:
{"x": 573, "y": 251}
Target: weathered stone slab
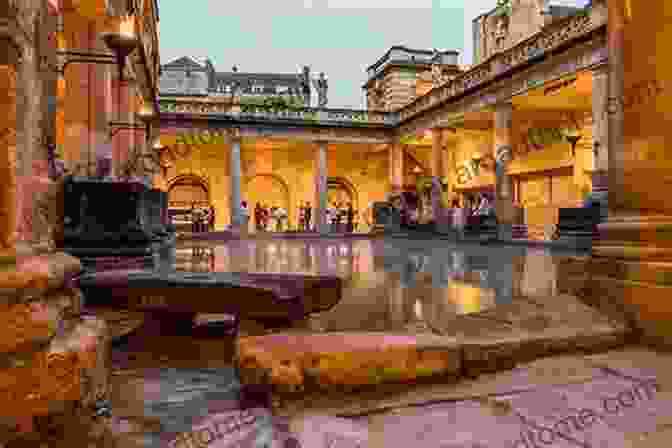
{"x": 343, "y": 361}
{"x": 525, "y": 377}
{"x": 34, "y": 276}
{"x": 257, "y": 296}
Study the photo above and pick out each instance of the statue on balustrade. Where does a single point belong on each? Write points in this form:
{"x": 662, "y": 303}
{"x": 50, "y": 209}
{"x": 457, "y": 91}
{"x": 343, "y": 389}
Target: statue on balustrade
{"x": 321, "y": 85}
{"x": 304, "y": 85}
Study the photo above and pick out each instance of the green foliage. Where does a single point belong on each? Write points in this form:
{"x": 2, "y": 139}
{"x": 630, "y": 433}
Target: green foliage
{"x": 503, "y": 8}
{"x": 270, "y": 104}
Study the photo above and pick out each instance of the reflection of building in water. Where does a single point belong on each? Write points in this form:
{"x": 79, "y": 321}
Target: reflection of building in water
{"x": 468, "y": 298}
{"x": 539, "y": 275}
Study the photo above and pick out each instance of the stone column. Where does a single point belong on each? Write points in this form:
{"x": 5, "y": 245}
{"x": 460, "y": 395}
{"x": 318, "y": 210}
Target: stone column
{"x": 236, "y": 176}
{"x": 396, "y": 168}
{"x": 600, "y": 136}
{"x": 121, "y": 140}
{"x": 8, "y": 149}
{"x": 321, "y": 174}
{"x": 437, "y": 171}
{"x": 503, "y": 154}
{"x": 630, "y": 264}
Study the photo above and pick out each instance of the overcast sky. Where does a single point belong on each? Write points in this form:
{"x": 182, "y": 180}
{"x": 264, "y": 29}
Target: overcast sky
{"x": 339, "y": 37}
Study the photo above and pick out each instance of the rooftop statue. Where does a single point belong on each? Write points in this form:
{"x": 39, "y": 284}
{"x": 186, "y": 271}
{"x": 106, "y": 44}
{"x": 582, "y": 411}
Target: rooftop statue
{"x": 304, "y": 85}
{"x": 321, "y": 85}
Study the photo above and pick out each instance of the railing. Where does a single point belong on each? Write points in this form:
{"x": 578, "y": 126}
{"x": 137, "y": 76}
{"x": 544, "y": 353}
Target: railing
{"x": 262, "y": 112}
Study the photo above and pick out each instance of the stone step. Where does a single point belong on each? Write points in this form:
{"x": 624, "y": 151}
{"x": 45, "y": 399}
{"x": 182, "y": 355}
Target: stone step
{"x": 466, "y": 346}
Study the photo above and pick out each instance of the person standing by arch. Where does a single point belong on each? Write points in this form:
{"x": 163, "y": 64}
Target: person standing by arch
{"x": 211, "y": 218}
{"x": 308, "y": 214}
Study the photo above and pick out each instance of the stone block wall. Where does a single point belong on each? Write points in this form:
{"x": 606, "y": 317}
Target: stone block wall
{"x": 54, "y": 368}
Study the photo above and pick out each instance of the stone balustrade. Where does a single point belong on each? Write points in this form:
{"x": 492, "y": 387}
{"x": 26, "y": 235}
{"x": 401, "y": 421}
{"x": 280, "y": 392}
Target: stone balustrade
{"x": 262, "y": 112}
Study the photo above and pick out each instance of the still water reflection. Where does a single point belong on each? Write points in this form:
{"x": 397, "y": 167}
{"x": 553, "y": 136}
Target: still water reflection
{"x": 390, "y": 284}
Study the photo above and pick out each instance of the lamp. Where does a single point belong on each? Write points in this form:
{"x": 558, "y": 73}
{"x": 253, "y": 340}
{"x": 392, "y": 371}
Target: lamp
{"x": 417, "y": 169}
{"x": 572, "y": 134}
{"x": 158, "y": 149}
{"x": 122, "y": 42}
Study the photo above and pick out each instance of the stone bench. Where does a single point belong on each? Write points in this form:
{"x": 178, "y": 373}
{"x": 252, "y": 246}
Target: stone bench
{"x": 275, "y": 297}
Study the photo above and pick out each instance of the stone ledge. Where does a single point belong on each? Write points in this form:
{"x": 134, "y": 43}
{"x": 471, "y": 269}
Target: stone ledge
{"x": 34, "y": 275}
{"x": 474, "y": 345}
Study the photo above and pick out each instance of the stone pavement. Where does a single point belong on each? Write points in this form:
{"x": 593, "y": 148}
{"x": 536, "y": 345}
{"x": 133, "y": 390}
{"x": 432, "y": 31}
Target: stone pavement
{"x": 587, "y": 401}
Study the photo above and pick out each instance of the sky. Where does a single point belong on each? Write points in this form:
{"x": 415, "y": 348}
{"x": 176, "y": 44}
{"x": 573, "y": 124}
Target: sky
{"x": 339, "y": 37}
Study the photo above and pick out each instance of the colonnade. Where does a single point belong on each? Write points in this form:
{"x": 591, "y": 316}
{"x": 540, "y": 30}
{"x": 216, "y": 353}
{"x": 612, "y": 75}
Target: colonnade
{"x": 503, "y": 153}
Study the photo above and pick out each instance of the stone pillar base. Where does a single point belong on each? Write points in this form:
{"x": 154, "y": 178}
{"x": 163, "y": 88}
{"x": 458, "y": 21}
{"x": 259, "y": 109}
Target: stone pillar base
{"x": 630, "y": 273}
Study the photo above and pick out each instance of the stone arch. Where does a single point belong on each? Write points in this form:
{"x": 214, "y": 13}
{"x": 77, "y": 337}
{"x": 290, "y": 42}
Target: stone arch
{"x": 186, "y": 188}
{"x": 344, "y": 184}
{"x": 269, "y": 189}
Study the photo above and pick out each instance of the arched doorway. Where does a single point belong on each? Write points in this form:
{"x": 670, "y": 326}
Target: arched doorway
{"x": 341, "y": 190}
{"x": 268, "y": 190}
{"x": 183, "y": 191}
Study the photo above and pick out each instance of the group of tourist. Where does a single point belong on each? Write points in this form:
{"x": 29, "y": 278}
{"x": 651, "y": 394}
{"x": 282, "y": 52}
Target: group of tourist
{"x": 269, "y": 218}
{"x": 305, "y": 216}
{"x": 202, "y": 218}
{"x": 338, "y": 214}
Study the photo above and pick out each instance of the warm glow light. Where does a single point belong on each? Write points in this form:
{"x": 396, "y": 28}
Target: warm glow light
{"x": 584, "y": 83}
{"x": 127, "y": 26}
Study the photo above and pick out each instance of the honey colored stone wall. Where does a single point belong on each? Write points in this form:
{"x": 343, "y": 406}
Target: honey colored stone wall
{"x": 8, "y": 204}
{"x": 467, "y": 144}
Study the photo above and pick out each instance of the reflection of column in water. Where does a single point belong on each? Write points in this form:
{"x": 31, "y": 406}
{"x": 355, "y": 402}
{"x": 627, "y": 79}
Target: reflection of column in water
{"x": 365, "y": 256}
{"x": 396, "y": 302}
{"x": 408, "y": 273}
{"x": 459, "y": 263}
{"x": 310, "y": 259}
{"x": 502, "y": 282}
